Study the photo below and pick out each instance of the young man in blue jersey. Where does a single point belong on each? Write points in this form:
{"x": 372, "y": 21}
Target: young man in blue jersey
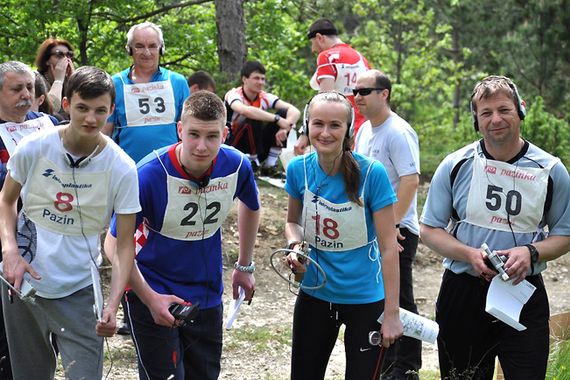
{"x": 186, "y": 191}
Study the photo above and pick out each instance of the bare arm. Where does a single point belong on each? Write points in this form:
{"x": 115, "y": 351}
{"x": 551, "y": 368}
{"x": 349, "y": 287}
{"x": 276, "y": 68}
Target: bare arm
{"x": 293, "y": 229}
{"x": 122, "y": 262}
{"x": 14, "y": 265}
{"x": 326, "y": 84}
{"x": 62, "y": 68}
{"x": 448, "y": 246}
{"x": 253, "y": 113}
{"x": 158, "y": 304}
{"x": 406, "y": 191}
{"x": 293, "y": 113}
{"x": 248, "y": 224}
{"x": 386, "y": 233}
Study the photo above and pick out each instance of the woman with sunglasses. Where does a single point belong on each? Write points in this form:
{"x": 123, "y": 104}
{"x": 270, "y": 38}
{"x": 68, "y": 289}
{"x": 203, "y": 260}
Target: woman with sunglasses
{"x": 54, "y": 60}
{"x": 340, "y": 205}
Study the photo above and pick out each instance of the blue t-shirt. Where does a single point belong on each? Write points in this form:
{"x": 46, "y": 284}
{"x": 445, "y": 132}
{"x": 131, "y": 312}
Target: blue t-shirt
{"x": 191, "y": 270}
{"x": 353, "y": 276}
{"x": 141, "y": 140}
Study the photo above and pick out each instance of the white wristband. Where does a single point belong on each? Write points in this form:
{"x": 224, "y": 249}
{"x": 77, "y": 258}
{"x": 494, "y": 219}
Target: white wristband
{"x": 57, "y": 81}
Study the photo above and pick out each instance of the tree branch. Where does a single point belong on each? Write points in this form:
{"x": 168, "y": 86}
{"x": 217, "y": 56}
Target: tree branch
{"x": 166, "y": 8}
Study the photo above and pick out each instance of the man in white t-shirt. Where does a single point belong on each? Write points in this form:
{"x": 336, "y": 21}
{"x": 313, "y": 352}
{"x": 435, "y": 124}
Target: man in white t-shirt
{"x": 392, "y": 141}
{"x": 70, "y": 180}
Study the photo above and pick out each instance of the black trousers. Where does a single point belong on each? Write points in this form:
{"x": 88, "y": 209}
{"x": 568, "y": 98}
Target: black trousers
{"x": 189, "y": 352}
{"x": 470, "y": 338}
{"x": 255, "y": 137}
{"x": 316, "y": 325}
{"x": 406, "y": 354}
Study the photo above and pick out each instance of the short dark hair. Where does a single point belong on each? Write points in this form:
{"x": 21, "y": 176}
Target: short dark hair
{"x": 381, "y": 80}
{"x": 250, "y": 67}
{"x": 90, "y": 82}
{"x": 205, "y": 106}
{"x": 202, "y": 79}
{"x": 323, "y": 26}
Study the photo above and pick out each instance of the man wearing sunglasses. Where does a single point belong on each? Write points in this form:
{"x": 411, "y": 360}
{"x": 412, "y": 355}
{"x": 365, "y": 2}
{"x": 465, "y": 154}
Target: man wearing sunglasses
{"x": 390, "y": 139}
{"x": 149, "y": 97}
{"x": 338, "y": 65}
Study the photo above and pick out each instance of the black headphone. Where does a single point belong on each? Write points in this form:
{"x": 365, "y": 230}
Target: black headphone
{"x": 80, "y": 162}
{"x": 349, "y": 131}
{"x": 521, "y": 110}
{"x": 130, "y": 50}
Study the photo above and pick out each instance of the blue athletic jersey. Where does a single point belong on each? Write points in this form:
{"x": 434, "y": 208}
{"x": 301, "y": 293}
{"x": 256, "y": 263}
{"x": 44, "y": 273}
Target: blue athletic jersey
{"x": 353, "y": 276}
{"x": 139, "y": 141}
{"x": 191, "y": 270}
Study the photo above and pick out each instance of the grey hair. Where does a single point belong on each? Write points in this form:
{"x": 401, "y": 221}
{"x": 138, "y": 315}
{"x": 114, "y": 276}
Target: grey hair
{"x": 144, "y": 25}
{"x": 13, "y": 67}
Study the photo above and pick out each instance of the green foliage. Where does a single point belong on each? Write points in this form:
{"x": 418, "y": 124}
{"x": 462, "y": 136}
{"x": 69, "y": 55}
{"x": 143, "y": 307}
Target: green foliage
{"x": 277, "y": 40}
{"x": 433, "y": 50}
{"x": 547, "y": 131}
{"x": 559, "y": 361}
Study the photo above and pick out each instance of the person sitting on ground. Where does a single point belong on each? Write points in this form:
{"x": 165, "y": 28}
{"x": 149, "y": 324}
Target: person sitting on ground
{"x": 254, "y": 130}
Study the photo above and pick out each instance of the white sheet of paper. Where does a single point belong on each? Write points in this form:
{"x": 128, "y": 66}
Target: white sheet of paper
{"x": 417, "y": 326}
{"x": 234, "y": 308}
{"x": 97, "y": 292}
{"x": 505, "y": 300}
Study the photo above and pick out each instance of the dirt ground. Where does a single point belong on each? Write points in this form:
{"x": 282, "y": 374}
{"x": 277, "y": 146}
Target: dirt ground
{"x": 258, "y": 345}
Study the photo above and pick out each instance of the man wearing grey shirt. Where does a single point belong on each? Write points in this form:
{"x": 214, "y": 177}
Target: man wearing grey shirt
{"x": 390, "y": 139}
{"x": 508, "y": 193}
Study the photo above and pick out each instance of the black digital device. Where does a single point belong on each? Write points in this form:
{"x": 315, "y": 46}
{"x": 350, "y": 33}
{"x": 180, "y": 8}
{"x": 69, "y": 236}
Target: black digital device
{"x": 495, "y": 261}
{"x": 184, "y": 312}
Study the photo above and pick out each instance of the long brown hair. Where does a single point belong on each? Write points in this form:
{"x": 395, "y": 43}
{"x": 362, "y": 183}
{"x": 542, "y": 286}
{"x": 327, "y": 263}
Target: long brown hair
{"x": 348, "y": 166}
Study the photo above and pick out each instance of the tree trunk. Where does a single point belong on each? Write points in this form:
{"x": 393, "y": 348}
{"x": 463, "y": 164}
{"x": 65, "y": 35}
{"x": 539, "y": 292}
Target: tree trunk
{"x": 230, "y": 24}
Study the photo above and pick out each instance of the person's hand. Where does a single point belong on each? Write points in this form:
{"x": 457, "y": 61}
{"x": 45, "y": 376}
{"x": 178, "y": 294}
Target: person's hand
{"x": 158, "y": 306}
{"x": 301, "y": 145}
{"x": 107, "y": 326}
{"x": 244, "y": 280}
{"x": 297, "y": 262}
{"x": 281, "y": 137}
{"x": 477, "y": 257}
{"x": 517, "y": 264}
{"x": 391, "y": 329}
{"x": 62, "y": 69}
{"x": 399, "y": 236}
{"x": 14, "y": 268}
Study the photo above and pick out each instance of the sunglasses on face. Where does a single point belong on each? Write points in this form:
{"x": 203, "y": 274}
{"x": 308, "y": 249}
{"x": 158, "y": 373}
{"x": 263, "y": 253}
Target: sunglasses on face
{"x": 59, "y": 54}
{"x": 366, "y": 91}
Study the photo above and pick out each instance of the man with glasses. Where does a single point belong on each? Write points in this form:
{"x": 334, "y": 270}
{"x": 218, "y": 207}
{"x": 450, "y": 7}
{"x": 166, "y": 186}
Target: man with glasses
{"x": 390, "y": 139}
{"x": 338, "y": 65}
{"x": 149, "y": 97}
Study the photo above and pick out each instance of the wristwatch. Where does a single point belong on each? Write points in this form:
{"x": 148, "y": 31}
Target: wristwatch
{"x": 276, "y": 118}
{"x": 533, "y": 253}
{"x": 245, "y": 268}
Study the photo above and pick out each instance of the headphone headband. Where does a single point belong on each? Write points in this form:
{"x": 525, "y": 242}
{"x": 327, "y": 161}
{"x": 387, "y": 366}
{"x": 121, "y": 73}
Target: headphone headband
{"x": 521, "y": 110}
{"x": 350, "y": 130}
